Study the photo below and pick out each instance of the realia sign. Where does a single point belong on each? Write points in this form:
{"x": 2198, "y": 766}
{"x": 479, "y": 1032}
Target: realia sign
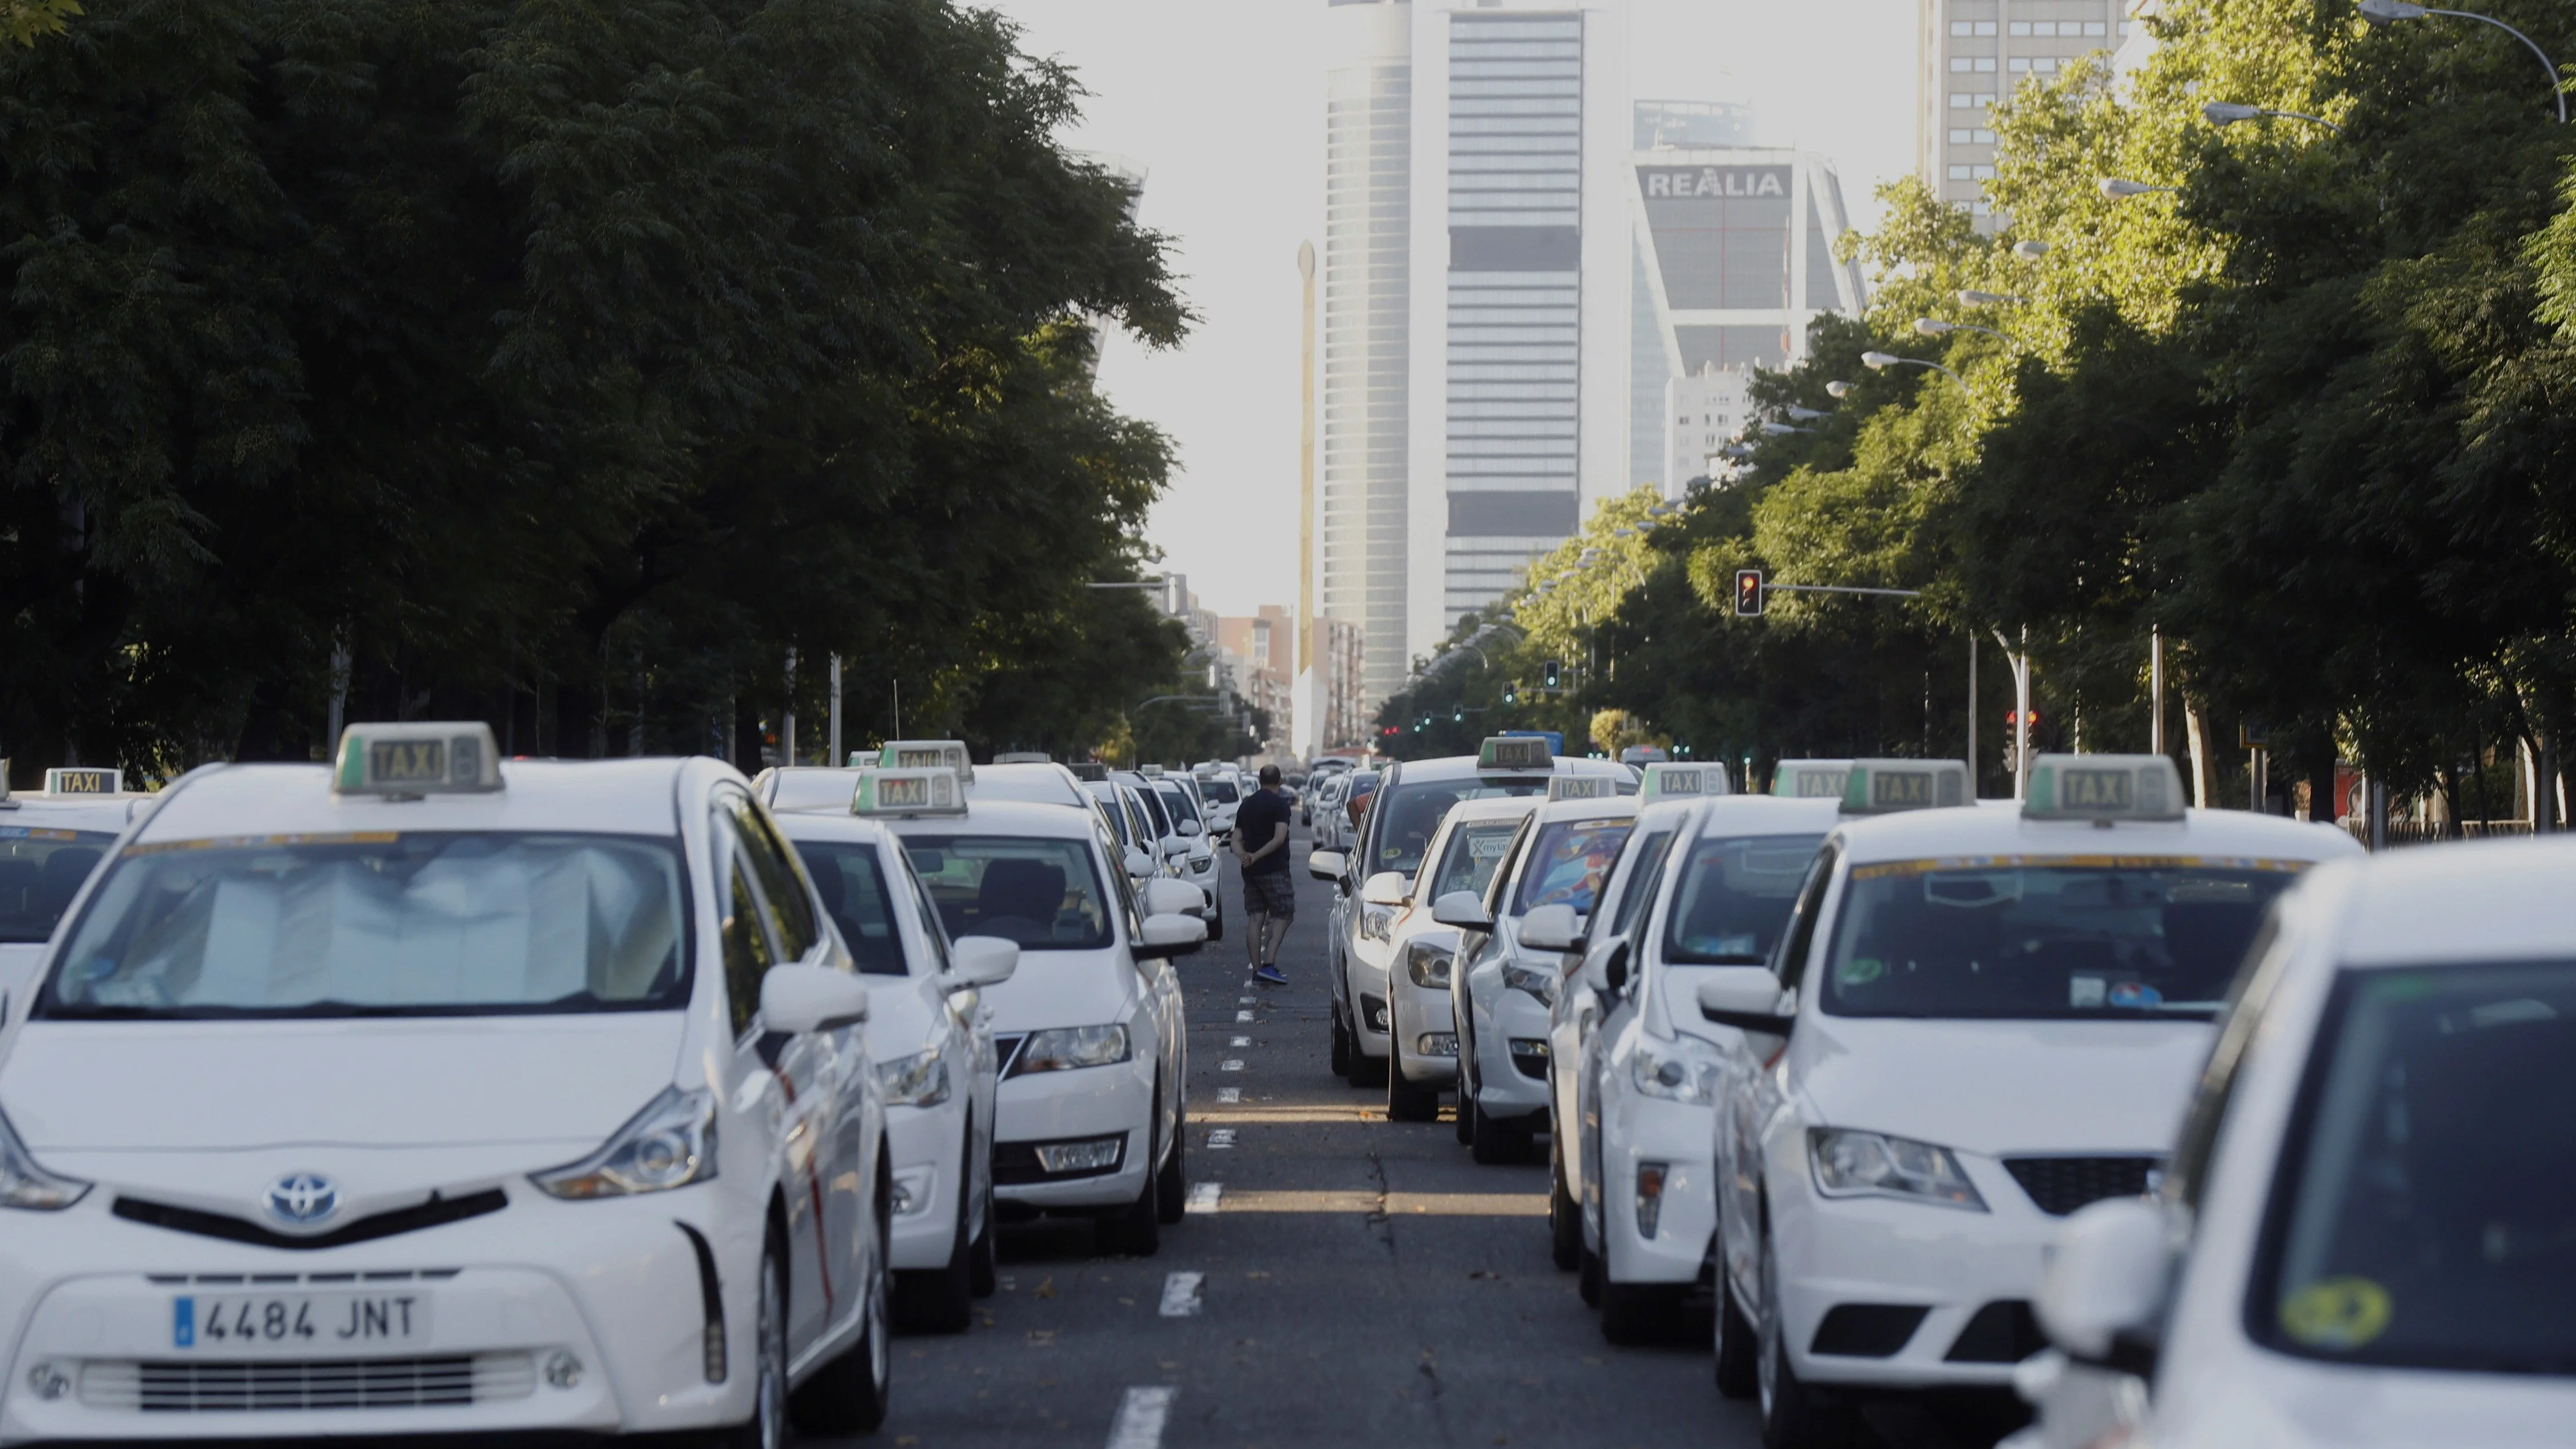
{"x": 1714, "y": 181}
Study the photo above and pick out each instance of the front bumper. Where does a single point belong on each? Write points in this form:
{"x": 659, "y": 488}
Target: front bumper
{"x": 1083, "y": 1104}
{"x": 1365, "y": 994}
{"x": 926, "y": 1146}
{"x": 1637, "y": 1130}
{"x": 1421, "y": 1024}
{"x": 1510, "y": 1029}
{"x": 613, "y": 1284}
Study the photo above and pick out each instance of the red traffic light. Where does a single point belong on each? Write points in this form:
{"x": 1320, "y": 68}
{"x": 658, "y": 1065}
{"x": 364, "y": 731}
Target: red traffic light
{"x": 1748, "y": 593}
{"x": 2012, "y": 717}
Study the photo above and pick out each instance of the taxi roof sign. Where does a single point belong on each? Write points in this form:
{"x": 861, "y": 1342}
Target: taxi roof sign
{"x": 1024, "y": 757}
{"x": 2103, "y": 788}
{"x": 84, "y": 780}
{"x": 1582, "y": 787}
{"x": 1881, "y": 787}
{"x": 1668, "y": 781}
{"x": 1811, "y": 779}
{"x": 927, "y": 755}
{"x": 1514, "y": 752}
{"x": 909, "y": 791}
{"x": 419, "y": 757}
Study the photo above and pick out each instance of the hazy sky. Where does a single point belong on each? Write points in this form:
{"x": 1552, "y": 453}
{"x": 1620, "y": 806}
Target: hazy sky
{"x": 1222, "y": 102}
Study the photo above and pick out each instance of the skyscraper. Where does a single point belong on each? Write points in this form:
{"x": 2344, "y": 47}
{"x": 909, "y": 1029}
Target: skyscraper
{"x": 1972, "y": 53}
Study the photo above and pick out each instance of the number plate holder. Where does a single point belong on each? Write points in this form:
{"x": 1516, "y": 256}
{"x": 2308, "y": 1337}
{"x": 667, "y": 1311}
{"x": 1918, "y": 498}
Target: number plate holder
{"x": 298, "y": 1325}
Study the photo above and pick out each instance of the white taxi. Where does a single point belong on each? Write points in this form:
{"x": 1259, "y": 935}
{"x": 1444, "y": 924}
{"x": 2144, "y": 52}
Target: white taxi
{"x": 49, "y": 844}
{"x": 1504, "y": 990}
{"x": 1092, "y": 1111}
{"x": 1993, "y": 1017}
{"x": 1461, "y": 858}
{"x": 2363, "y": 1240}
{"x": 1398, "y": 814}
{"x": 426, "y": 1093}
{"x": 930, "y": 1034}
{"x": 1720, "y": 900}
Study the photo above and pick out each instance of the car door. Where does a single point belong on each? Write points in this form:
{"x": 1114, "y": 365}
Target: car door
{"x": 1618, "y": 1015}
{"x": 1754, "y": 1093}
{"x": 971, "y": 1023}
{"x": 1159, "y": 987}
{"x": 1577, "y": 1022}
{"x": 1478, "y": 948}
{"x": 823, "y": 1123}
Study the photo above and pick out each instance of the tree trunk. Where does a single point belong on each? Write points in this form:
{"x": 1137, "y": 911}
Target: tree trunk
{"x": 2196, "y": 723}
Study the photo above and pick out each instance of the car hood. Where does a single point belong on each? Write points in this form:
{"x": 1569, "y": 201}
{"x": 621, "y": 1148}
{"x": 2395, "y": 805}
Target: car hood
{"x": 2002, "y": 1086}
{"x": 248, "y": 1086}
{"x": 1063, "y": 988}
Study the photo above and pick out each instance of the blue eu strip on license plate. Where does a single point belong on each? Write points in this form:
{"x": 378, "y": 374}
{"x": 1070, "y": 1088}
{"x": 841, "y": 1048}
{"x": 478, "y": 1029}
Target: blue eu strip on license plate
{"x": 183, "y": 1323}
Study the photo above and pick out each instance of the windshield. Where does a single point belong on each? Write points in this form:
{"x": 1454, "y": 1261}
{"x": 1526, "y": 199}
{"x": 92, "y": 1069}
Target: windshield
{"x": 1176, "y": 803}
{"x": 1468, "y": 864}
{"x": 1568, "y": 862}
{"x": 852, "y": 885}
{"x": 1638, "y": 883}
{"x": 447, "y": 923}
{"x": 1733, "y": 897}
{"x": 1220, "y": 792}
{"x": 1150, "y": 801}
{"x": 2426, "y": 1210}
{"x": 2006, "y": 937}
{"x": 1041, "y": 893}
{"x": 1411, "y": 814}
{"x": 40, "y": 869}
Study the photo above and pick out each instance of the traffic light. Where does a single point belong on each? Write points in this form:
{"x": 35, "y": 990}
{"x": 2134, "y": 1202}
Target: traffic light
{"x": 1511, "y": 694}
{"x": 1748, "y": 593}
{"x": 2012, "y": 718}
{"x": 1458, "y": 716}
{"x": 1549, "y": 674}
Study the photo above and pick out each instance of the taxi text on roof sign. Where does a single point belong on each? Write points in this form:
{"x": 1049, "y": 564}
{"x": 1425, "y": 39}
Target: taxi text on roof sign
{"x": 1024, "y": 757}
{"x": 909, "y": 792}
{"x": 927, "y": 755}
{"x": 1811, "y": 779}
{"x": 418, "y": 758}
{"x": 84, "y": 781}
{"x": 1581, "y": 787}
{"x": 2103, "y": 787}
{"x": 1877, "y": 787}
{"x": 1669, "y": 781}
{"x": 1514, "y": 752}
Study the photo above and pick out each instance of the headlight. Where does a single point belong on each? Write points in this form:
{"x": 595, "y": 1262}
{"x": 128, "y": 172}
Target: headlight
{"x": 1867, "y": 1164}
{"x": 1427, "y": 962}
{"x": 1538, "y": 981}
{"x": 1377, "y": 923}
{"x": 671, "y": 1143}
{"x": 1674, "y": 1073}
{"x": 25, "y": 1185}
{"x": 1061, "y": 1049}
{"x": 919, "y": 1080}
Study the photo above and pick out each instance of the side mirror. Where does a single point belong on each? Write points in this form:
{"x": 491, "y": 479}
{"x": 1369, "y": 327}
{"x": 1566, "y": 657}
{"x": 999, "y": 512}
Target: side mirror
{"x": 1139, "y": 864}
{"x": 1551, "y": 928}
{"x": 1596, "y": 963}
{"x": 1463, "y": 909}
{"x": 1386, "y": 888}
{"x": 1169, "y": 897}
{"x": 1189, "y": 827}
{"x": 1746, "y": 998}
{"x": 982, "y": 960}
{"x": 1175, "y": 845}
{"x": 1614, "y": 967}
{"x": 796, "y": 999}
{"x": 1325, "y": 864}
{"x": 2105, "y": 1286}
{"x": 1166, "y": 936}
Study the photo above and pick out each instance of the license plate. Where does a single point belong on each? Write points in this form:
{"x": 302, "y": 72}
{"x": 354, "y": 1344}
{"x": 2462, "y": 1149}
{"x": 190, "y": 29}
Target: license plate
{"x": 288, "y": 1323}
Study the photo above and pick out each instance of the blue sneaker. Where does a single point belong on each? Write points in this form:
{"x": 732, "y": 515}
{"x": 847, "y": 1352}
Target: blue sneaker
{"x": 1270, "y": 976}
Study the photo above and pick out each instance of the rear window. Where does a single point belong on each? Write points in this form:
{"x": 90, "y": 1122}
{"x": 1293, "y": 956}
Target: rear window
{"x": 1220, "y": 792}
{"x": 1411, "y": 814}
{"x": 40, "y": 869}
{"x": 852, "y": 884}
{"x": 1041, "y": 893}
{"x": 1733, "y": 897}
{"x": 1568, "y": 862}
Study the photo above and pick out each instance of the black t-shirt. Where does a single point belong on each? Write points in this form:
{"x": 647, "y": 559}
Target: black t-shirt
{"x": 1258, "y": 819}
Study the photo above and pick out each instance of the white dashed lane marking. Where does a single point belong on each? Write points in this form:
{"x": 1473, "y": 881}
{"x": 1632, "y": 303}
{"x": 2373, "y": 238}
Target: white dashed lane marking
{"x": 1229, "y": 1094}
{"x": 1183, "y": 1294}
{"x": 1243, "y": 1016}
{"x": 1220, "y": 1139}
{"x": 1204, "y": 1196}
{"x": 1245, "y": 1000}
{"x": 1141, "y": 1416}
{"x": 1230, "y": 1064}
{"x": 1238, "y": 1041}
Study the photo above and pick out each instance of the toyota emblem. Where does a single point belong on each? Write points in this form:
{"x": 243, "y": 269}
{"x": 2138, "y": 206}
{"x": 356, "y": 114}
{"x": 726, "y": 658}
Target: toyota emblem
{"x": 303, "y": 1198}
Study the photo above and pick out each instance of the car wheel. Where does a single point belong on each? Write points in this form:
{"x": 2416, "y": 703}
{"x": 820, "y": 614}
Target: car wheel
{"x": 1587, "y": 1280}
{"x": 1466, "y": 1105}
{"x": 1406, "y": 1102}
{"x": 1792, "y": 1416}
{"x": 1633, "y": 1313}
{"x": 767, "y": 1426}
{"x": 983, "y": 1260}
{"x": 850, "y": 1394}
{"x": 942, "y": 1299}
{"x": 1494, "y": 1143}
{"x": 1136, "y": 1230}
{"x": 1737, "y": 1348}
{"x": 1564, "y": 1219}
{"x": 1216, "y": 926}
{"x": 1341, "y": 1045}
{"x": 1172, "y": 1183}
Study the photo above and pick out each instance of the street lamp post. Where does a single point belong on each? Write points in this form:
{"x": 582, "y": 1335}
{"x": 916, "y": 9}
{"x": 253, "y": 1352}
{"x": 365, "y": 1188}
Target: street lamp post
{"x": 2387, "y": 12}
{"x": 2020, "y": 662}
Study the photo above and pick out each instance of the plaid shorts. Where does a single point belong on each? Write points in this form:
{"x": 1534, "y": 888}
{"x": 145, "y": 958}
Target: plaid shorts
{"x": 1270, "y": 893}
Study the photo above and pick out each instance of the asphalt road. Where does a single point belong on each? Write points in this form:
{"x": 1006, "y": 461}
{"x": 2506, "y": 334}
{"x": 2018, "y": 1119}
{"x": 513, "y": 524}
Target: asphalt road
{"x": 1355, "y": 1282}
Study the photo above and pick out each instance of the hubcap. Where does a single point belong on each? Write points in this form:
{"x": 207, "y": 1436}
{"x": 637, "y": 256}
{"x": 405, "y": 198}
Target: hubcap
{"x": 773, "y": 1361}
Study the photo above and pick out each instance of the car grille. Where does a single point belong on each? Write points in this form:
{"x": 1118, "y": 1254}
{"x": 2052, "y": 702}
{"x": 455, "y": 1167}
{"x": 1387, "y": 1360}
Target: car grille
{"x": 2003, "y": 1331}
{"x": 204, "y": 1387}
{"x": 2060, "y": 1185}
{"x": 438, "y": 1211}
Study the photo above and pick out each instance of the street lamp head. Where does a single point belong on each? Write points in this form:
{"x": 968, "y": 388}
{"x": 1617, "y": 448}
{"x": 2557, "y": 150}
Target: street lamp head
{"x": 2115, "y": 187}
{"x": 1932, "y": 326}
{"x": 1736, "y": 452}
{"x": 1623, "y": 533}
{"x": 1804, "y": 415}
{"x": 1839, "y": 388}
{"x": 2030, "y": 251}
{"x": 1879, "y": 361}
{"x": 1971, "y": 297}
{"x": 2381, "y": 12}
{"x": 1777, "y": 429}
{"x": 2228, "y": 113}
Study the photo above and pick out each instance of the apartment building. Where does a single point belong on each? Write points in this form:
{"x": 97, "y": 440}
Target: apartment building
{"x": 1972, "y": 54}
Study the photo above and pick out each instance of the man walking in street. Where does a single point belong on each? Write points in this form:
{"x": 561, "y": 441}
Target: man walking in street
{"x": 1269, "y": 892}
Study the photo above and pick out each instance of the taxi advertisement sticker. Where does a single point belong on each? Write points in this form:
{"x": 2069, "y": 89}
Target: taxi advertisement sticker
{"x": 237, "y": 842}
{"x": 1883, "y": 869}
{"x": 2336, "y": 1313}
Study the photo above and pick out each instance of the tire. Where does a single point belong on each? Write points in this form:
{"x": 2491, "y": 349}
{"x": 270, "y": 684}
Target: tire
{"x": 1634, "y": 1313}
{"x": 767, "y": 1426}
{"x": 982, "y": 1260}
{"x": 1494, "y": 1144}
{"x": 1135, "y": 1231}
{"x": 1587, "y": 1279}
{"x": 849, "y": 1395}
{"x": 1172, "y": 1182}
{"x": 1406, "y": 1102}
{"x": 942, "y": 1299}
{"x": 1738, "y": 1363}
{"x": 1564, "y": 1219}
{"x": 1793, "y": 1417}
{"x": 1366, "y": 1070}
{"x": 1342, "y": 1048}
{"x": 1216, "y": 926}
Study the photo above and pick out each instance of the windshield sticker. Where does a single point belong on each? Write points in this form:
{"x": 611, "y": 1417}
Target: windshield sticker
{"x": 1883, "y": 869}
{"x": 2084, "y": 993}
{"x": 26, "y": 832}
{"x": 2135, "y": 995}
{"x": 2338, "y": 1313}
{"x": 241, "y": 842}
{"x": 1860, "y": 971}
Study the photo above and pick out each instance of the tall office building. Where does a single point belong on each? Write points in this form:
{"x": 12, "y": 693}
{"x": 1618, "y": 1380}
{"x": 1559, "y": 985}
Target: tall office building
{"x": 1520, "y": 322}
{"x": 1368, "y": 165}
{"x": 1972, "y": 53}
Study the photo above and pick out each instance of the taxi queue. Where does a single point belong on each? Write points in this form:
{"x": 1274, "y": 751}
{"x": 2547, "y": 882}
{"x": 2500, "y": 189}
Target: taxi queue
{"x": 601, "y": 1097}
{"x": 2185, "y": 1126}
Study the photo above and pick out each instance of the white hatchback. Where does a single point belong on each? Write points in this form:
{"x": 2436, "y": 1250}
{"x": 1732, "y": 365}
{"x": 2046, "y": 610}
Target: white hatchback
{"x": 1993, "y": 1017}
{"x": 424, "y": 1093}
{"x": 2365, "y": 1238}
{"x": 49, "y": 844}
{"x": 1422, "y": 950}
